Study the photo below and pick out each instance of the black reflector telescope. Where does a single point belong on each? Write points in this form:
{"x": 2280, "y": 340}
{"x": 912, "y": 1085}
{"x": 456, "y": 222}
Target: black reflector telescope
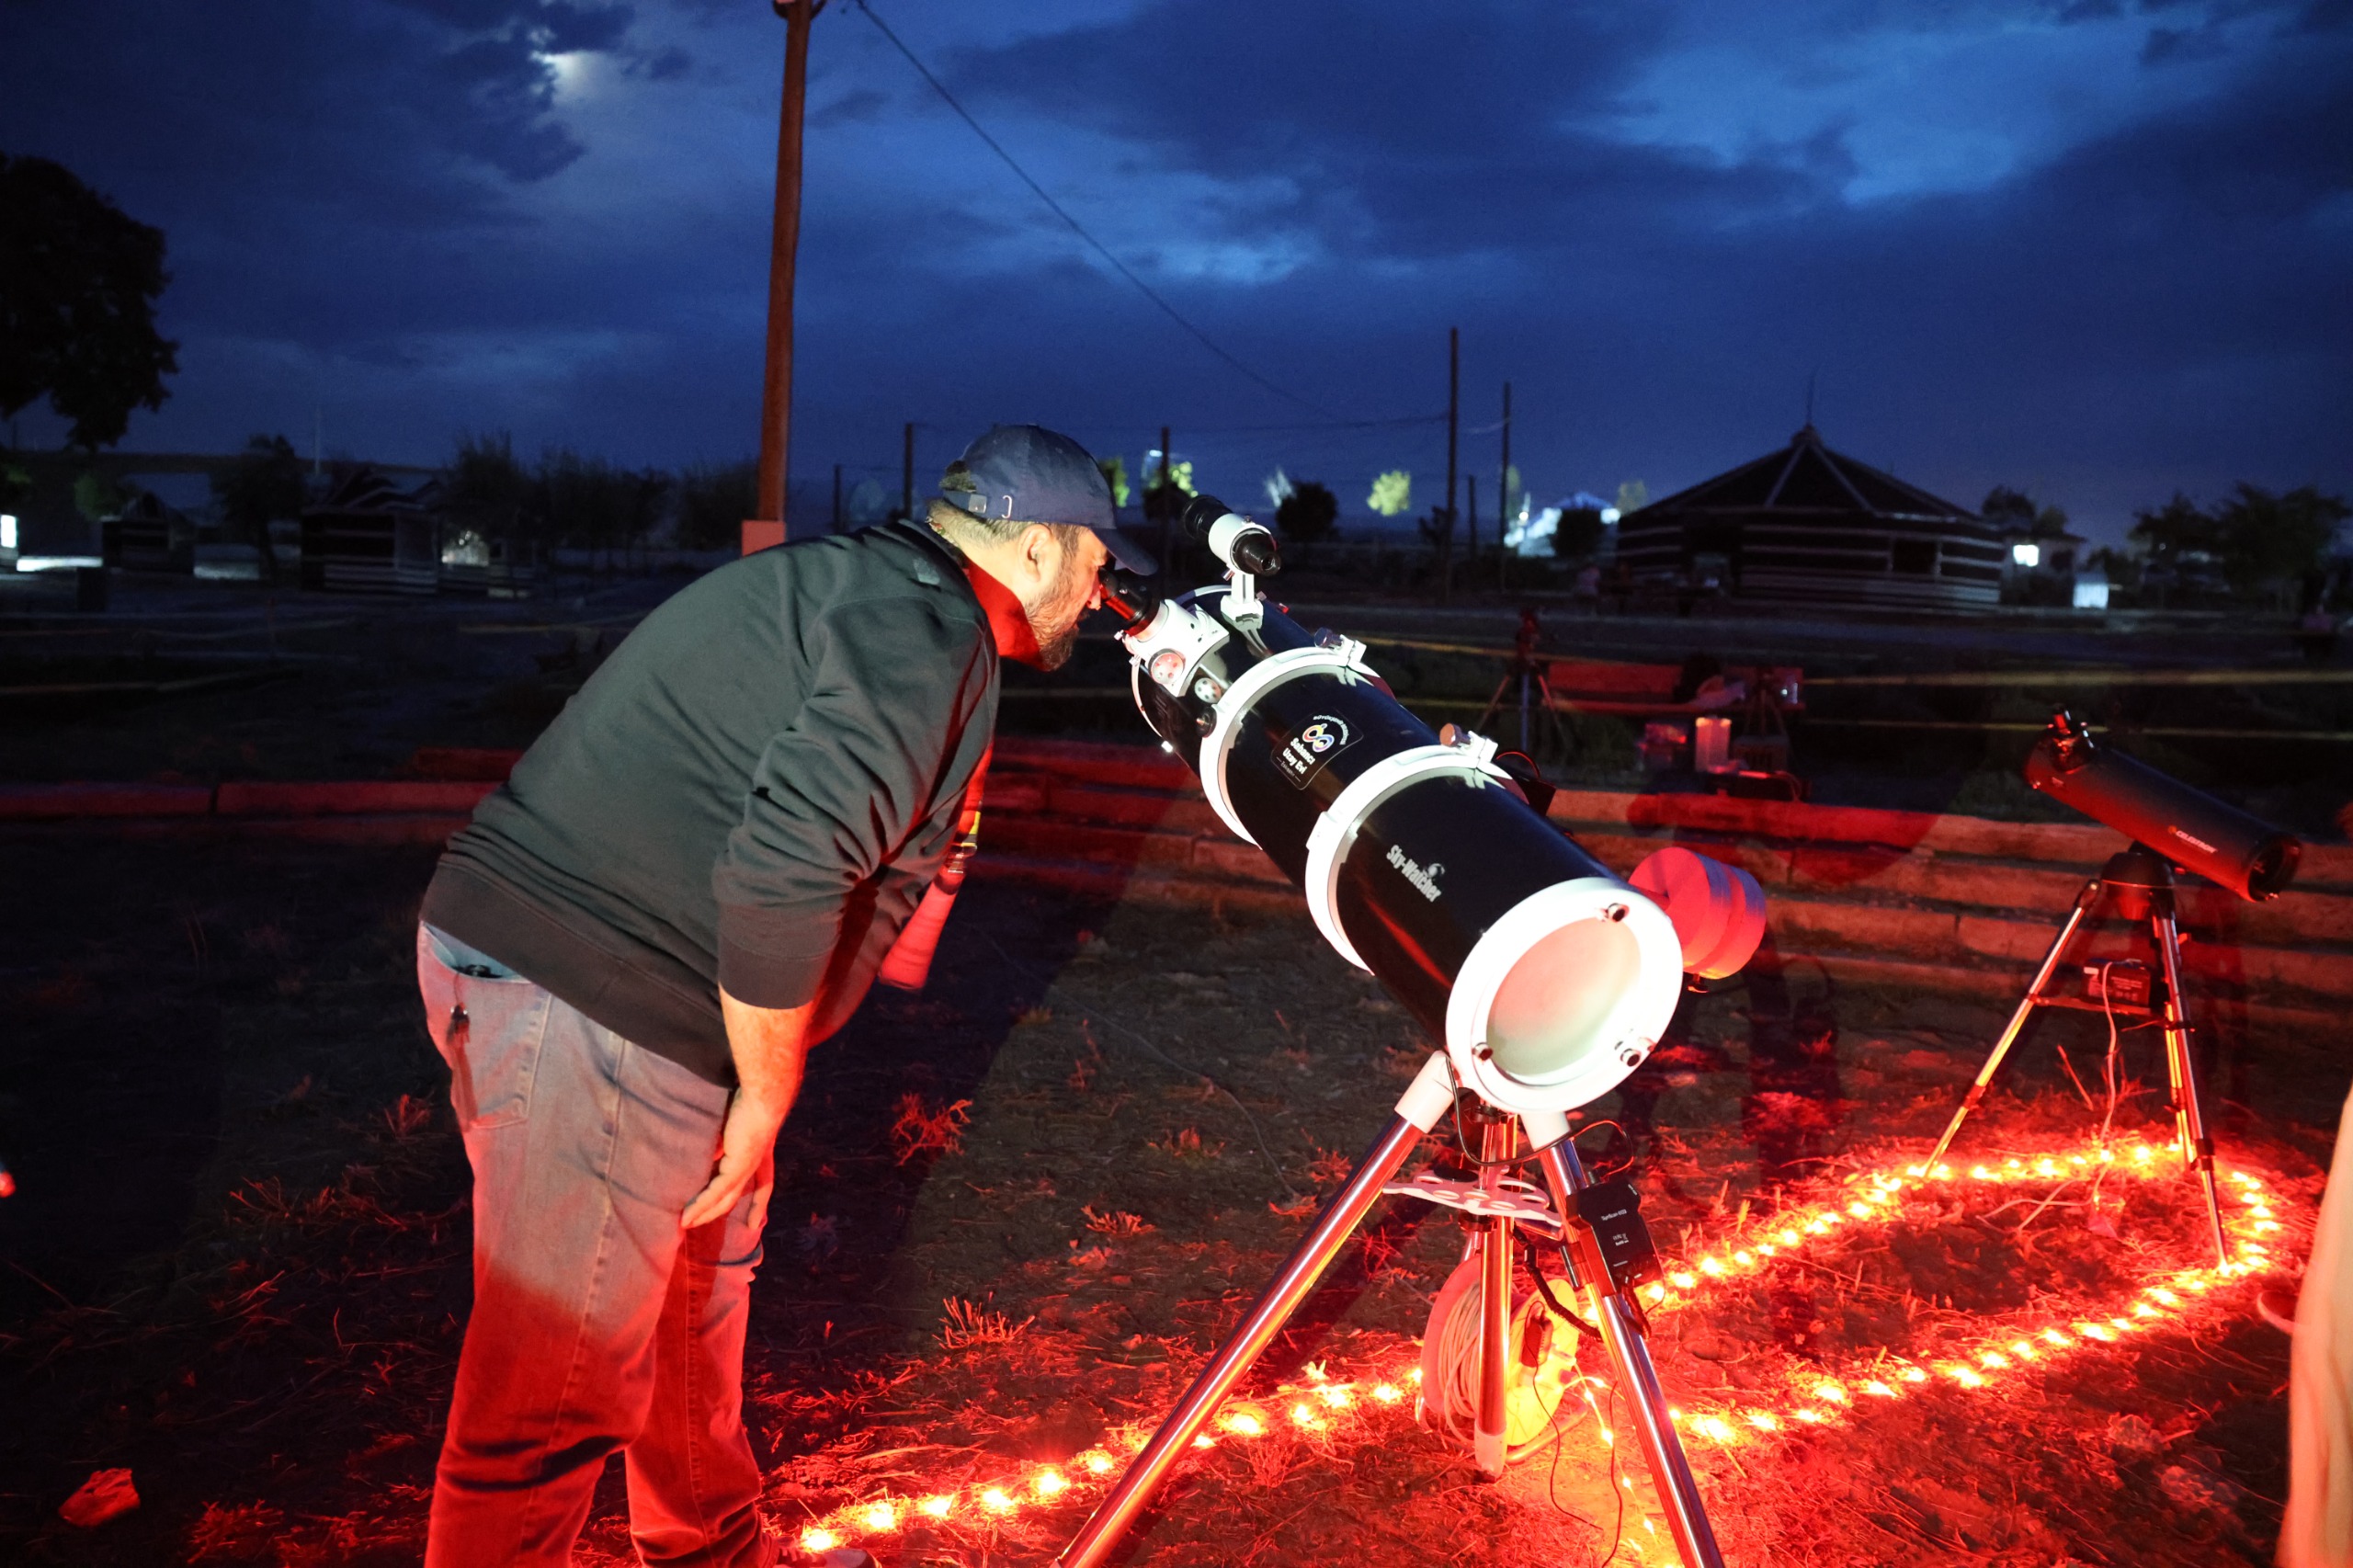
{"x": 2187, "y": 826}
{"x": 1546, "y": 977}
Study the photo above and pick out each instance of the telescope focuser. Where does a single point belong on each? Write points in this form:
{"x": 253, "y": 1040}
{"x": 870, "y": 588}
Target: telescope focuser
{"x": 2071, "y": 740}
{"x": 1128, "y": 595}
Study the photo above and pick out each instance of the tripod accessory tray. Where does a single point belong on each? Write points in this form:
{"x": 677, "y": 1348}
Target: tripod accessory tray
{"x": 1510, "y": 1200}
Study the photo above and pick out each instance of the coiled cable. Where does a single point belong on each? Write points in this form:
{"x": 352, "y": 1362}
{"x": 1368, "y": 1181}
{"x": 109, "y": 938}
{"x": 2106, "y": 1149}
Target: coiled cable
{"x": 1539, "y": 1397}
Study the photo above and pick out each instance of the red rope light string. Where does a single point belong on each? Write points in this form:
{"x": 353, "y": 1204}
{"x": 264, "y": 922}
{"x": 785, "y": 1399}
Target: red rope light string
{"x": 1821, "y": 1396}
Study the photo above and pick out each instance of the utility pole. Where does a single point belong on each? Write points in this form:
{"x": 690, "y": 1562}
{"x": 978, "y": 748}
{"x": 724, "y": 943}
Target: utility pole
{"x": 1453, "y": 411}
{"x": 1503, "y": 500}
{"x": 837, "y": 497}
{"x": 1471, "y": 522}
{"x": 907, "y": 473}
{"x": 784, "y": 245}
{"x": 1168, "y": 512}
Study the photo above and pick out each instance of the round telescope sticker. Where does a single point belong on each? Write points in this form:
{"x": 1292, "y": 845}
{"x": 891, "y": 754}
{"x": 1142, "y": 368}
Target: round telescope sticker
{"x": 1318, "y": 740}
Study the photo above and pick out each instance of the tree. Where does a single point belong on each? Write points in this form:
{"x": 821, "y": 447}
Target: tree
{"x": 1438, "y": 530}
{"x": 1115, "y": 474}
{"x": 1309, "y": 513}
{"x": 264, "y": 485}
{"x": 593, "y": 504}
{"x": 645, "y": 502}
{"x": 1514, "y": 493}
{"x": 2121, "y": 568}
{"x": 98, "y": 494}
{"x": 1632, "y": 497}
{"x": 713, "y": 501}
{"x": 2007, "y": 508}
{"x": 486, "y": 488}
{"x": 490, "y": 496}
{"x": 78, "y": 286}
{"x": 1577, "y": 534}
{"x": 2177, "y": 536}
{"x": 1392, "y": 493}
{"x": 2268, "y": 539}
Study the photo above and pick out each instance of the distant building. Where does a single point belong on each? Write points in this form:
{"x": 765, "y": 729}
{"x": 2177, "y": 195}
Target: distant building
{"x": 148, "y": 535}
{"x": 498, "y": 566}
{"x": 1809, "y": 525}
{"x": 367, "y": 535}
{"x": 2049, "y": 569}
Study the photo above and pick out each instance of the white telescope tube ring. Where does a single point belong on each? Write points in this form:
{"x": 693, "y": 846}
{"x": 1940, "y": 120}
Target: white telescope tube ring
{"x": 1328, "y": 842}
{"x": 1617, "y": 1038}
{"x": 1247, "y": 687}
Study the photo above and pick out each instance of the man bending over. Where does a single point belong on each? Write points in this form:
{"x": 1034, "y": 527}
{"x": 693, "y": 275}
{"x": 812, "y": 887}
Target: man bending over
{"x": 687, "y": 881}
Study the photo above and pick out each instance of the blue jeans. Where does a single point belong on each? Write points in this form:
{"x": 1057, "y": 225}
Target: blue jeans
{"x": 600, "y": 1322}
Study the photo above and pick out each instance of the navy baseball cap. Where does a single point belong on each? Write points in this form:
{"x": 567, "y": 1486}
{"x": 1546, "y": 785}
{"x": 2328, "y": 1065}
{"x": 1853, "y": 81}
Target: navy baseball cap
{"x": 1033, "y": 474}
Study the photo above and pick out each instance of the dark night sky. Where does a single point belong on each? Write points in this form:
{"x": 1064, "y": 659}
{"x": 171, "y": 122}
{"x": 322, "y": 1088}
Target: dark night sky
{"x": 2101, "y": 250}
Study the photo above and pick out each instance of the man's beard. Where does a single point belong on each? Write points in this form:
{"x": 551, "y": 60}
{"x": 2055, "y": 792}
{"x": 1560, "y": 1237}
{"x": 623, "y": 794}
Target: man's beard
{"x": 1054, "y": 652}
{"x": 1053, "y": 625}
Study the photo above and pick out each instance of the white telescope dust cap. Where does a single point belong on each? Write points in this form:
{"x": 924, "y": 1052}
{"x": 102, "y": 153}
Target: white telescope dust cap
{"x": 1563, "y": 996}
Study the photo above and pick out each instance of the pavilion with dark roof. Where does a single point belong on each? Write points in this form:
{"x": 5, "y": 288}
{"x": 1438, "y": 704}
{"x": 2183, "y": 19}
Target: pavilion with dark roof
{"x": 369, "y": 535}
{"x": 1806, "y": 524}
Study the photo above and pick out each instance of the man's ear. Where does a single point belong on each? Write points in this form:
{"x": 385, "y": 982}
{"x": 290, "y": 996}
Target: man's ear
{"x": 1041, "y": 551}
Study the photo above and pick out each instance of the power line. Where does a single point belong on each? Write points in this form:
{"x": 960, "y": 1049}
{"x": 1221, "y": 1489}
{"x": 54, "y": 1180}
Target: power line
{"x": 1192, "y": 430}
{"x": 1078, "y": 228}
{"x": 1391, "y": 423}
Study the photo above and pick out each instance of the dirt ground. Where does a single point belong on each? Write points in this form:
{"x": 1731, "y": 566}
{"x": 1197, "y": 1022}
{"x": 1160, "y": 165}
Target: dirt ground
{"x": 1015, "y": 1211}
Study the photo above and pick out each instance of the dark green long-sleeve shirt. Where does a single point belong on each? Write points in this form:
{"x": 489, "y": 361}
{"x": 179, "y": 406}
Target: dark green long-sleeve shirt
{"x": 752, "y": 792}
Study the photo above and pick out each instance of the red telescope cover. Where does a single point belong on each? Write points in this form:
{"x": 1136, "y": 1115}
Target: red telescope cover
{"x": 1717, "y": 910}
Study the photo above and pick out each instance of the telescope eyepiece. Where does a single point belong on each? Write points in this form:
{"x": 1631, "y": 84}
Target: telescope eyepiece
{"x": 1255, "y": 552}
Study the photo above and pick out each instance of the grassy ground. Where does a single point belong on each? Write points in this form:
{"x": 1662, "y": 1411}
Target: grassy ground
{"x": 1014, "y": 1212}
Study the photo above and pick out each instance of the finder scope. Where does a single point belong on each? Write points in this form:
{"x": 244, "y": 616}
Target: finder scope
{"x": 1241, "y": 543}
{"x": 2187, "y": 826}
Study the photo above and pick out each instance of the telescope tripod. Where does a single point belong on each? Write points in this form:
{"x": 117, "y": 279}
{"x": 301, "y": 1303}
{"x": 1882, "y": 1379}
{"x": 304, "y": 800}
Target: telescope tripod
{"x": 1609, "y": 1298}
{"x": 1529, "y": 673}
{"x": 2138, "y": 883}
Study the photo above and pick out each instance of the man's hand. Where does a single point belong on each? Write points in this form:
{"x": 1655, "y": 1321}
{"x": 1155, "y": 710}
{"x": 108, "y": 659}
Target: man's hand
{"x": 744, "y": 1144}
{"x": 769, "y": 1045}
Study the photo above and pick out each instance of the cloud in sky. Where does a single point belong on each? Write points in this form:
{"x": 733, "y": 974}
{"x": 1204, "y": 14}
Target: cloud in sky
{"x": 2099, "y": 249}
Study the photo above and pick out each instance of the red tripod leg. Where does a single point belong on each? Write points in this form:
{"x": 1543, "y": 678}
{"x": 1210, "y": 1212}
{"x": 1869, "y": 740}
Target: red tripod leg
{"x": 2027, "y": 1004}
{"x": 1418, "y": 1111}
{"x": 2188, "y": 1110}
{"x": 1490, "y": 1440}
{"x": 1630, "y": 1355}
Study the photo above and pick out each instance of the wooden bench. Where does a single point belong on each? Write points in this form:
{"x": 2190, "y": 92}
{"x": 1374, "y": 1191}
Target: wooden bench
{"x": 1761, "y": 692}
{"x": 1756, "y": 698}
